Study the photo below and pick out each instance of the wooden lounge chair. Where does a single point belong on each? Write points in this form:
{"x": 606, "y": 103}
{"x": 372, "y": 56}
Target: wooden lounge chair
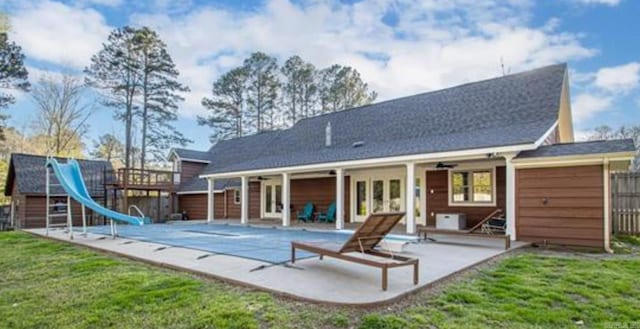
{"x": 306, "y": 215}
{"x": 472, "y": 232}
{"x": 364, "y": 240}
{"x": 329, "y": 216}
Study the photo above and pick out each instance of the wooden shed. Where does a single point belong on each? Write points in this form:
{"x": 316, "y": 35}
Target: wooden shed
{"x": 25, "y": 184}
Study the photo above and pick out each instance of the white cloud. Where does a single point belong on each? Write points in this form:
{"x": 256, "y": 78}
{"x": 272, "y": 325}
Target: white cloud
{"x": 585, "y": 106}
{"x": 57, "y": 33}
{"x": 433, "y": 45}
{"x": 621, "y": 78}
{"x": 107, "y": 3}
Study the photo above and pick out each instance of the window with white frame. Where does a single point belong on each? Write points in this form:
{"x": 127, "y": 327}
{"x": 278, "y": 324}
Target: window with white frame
{"x": 236, "y": 196}
{"x": 472, "y": 187}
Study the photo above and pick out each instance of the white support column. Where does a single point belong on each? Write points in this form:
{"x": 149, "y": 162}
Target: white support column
{"x": 339, "y": 199}
{"x": 210, "y": 200}
{"x": 410, "y": 197}
{"x": 510, "y": 211}
{"x": 286, "y": 197}
{"x": 244, "y": 200}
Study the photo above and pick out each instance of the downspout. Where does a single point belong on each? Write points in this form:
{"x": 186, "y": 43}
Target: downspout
{"x": 607, "y": 199}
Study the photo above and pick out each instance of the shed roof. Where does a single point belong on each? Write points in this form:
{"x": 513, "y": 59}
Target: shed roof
{"x": 580, "y": 148}
{"x": 28, "y": 172}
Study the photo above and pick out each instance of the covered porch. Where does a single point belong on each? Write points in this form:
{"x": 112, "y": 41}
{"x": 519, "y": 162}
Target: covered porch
{"x": 473, "y": 185}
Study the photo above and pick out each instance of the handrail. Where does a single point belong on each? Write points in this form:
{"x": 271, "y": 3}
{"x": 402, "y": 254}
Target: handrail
{"x": 136, "y": 209}
{"x": 484, "y": 220}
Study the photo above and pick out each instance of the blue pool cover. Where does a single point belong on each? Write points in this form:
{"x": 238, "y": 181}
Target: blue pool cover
{"x": 271, "y": 245}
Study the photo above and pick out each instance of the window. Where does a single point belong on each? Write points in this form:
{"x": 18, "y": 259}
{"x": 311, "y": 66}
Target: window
{"x": 361, "y": 198}
{"x": 472, "y": 187}
{"x": 236, "y": 196}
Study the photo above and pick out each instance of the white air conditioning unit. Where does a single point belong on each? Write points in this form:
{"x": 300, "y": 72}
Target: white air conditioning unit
{"x": 451, "y": 221}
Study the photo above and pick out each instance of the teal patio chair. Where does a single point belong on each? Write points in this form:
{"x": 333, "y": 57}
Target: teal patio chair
{"x": 307, "y": 213}
{"x": 330, "y": 215}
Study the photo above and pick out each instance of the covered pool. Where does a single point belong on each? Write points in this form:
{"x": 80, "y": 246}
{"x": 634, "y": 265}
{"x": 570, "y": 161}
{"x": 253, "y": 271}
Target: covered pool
{"x": 272, "y": 245}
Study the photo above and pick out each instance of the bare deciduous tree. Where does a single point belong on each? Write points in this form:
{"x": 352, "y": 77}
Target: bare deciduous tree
{"x": 63, "y": 110}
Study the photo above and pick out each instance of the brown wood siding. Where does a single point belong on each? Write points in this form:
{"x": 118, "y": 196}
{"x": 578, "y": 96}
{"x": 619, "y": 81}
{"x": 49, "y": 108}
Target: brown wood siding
{"x": 32, "y": 212}
{"x": 321, "y": 192}
{"x": 438, "y": 201}
{"x": 196, "y": 205}
{"x": 190, "y": 170}
{"x": 573, "y": 213}
{"x": 254, "y": 199}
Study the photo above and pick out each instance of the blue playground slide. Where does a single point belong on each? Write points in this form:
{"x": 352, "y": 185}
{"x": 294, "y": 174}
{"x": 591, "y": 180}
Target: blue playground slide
{"x": 70, "y": 177}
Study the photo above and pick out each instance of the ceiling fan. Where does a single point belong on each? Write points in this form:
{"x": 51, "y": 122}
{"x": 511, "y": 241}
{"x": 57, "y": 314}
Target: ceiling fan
{"x": 441, "y": 165}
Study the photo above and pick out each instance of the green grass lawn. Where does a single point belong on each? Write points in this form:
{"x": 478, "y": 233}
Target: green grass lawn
{"x": 46, "y": 284}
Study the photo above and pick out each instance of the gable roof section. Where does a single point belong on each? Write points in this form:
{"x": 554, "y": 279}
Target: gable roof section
{"x": 512, "y": 110}
{"x": 187, "y": 155}
{"x": 28, "y": 172}
{"x": 580, "y": 148}
{"x": 199, "y": 185}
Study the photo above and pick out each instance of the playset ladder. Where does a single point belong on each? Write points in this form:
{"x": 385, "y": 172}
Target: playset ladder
{"x": 68, "y": 225}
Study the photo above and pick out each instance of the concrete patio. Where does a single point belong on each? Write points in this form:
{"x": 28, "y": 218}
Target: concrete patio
{"x": 327, "y": 281}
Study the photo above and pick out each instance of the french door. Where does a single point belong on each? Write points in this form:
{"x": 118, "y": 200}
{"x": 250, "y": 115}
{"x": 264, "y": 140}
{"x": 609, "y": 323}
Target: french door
{"x": 377, "y": 194}
{"x": 272, "y": 199}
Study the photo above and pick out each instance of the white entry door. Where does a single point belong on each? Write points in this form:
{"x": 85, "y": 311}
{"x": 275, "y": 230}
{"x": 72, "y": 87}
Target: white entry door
{"x": 271, "y": 199}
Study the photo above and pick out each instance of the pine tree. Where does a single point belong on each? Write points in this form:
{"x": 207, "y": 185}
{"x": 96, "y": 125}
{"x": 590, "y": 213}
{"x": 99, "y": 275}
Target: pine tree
{"x": 160, "y": 93}
{"x": 298, "y": 88}
{"x": 341, "y": 87}
{"x": 262, "y": 90}
{"x": 116, "y": 71}
{"x": 227, "y": 106}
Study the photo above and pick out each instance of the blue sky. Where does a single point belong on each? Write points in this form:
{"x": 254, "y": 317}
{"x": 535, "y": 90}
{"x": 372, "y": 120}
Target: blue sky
{"x": 400, "y": 47}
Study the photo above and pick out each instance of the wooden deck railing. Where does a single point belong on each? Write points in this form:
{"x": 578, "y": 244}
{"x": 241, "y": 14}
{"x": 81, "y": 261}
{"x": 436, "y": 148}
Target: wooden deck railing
{"x": 143, "y": 178}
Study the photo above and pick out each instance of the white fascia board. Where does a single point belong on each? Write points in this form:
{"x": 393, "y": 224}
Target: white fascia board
{"x": 194, "y": 160}
{"x": 585, "y": 159}
{"x": 546, "y": 135}
{"x": 397, "y": 160}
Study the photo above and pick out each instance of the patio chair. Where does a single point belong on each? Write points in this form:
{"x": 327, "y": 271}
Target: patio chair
{"x": 307, "y": 213}
{"x": 364, "y": 241}
{"x": 472, "y": 232}
{"x": 330, "y": 215}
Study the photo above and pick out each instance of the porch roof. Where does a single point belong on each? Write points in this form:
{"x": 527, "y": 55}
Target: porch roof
{"x": 580, "y": 148}
{"x": 514, "y": 110}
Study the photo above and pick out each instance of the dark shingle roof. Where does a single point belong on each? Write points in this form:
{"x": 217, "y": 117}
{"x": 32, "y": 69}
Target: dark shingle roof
{"x": 580, "y": 148}
{"x": 511, "y": 110}
{"x": 28, "y": 171}
{"x": 186, "y": 154}
{"x": 197, "y": 184}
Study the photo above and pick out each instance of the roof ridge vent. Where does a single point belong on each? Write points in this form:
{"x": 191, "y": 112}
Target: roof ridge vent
{"x": 327, "y": 135}
{"x": 358, "y": 144}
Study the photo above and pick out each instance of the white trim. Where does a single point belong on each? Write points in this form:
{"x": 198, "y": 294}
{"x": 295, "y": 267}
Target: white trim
{"x": 410, "y": 198}
{"x": 174, "y": 153}
{"x": 546, "y": 135}
{"x": 210, "y": 200}
{"x": 339, "y": 198}
{"x": 237, "y": 200}
{"x": 493, "y": 202}
{"x": 386, "y": 161}
{"x": 566, "y": 161}
{"x": 284, "y": 198}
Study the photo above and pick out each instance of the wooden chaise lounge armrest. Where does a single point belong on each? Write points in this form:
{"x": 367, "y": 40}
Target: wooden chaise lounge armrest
{"x": 333, "y": 250}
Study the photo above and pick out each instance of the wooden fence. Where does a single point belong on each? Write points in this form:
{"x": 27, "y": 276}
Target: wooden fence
{"x": 625, "y": 202}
